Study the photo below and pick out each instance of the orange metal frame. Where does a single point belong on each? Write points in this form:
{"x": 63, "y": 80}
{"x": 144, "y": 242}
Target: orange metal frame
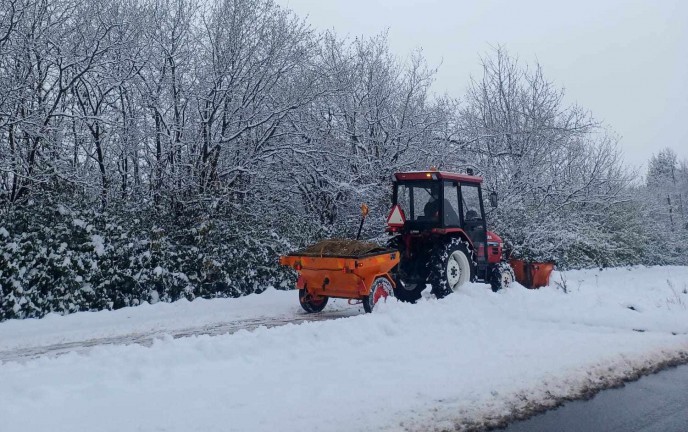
{"x": 532, "y": 274}
{"x": 350, "y": 278}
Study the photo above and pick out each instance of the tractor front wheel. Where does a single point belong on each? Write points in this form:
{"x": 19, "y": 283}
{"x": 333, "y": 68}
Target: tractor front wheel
{"x": 451, "y": 267}
{"x": 311, "y": 303}
{"x": 379, "y": 291}
{"x": 502, "y": 276}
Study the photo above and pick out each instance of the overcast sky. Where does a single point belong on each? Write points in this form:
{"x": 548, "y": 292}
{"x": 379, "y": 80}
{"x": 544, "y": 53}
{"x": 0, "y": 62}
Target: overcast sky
{"x": 626, "y": 61}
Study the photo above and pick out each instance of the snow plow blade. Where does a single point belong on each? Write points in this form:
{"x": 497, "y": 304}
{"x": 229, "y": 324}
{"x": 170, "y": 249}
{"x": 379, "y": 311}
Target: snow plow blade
{"x": 532, "y": 274}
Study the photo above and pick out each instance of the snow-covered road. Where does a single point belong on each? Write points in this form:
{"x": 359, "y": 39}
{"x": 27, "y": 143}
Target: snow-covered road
{"x": 469, "y": 360}
{"x": 56, "y": 335}
{"x": 146, "y": 338}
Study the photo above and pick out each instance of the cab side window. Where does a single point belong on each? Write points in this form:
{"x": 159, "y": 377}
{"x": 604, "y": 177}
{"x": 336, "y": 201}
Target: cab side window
{"x": 470, "y": 200}
{"x": 451, "y": 204}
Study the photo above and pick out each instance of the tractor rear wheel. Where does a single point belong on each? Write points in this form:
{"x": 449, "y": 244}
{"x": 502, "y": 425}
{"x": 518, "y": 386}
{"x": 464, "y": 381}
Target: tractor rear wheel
{"x": 310, "y": 303}
{"x": 502, "y": 276}
{"x": 451, "y": 266}
{"x": 379, "y": 291}
{"x": 406, "y": 292}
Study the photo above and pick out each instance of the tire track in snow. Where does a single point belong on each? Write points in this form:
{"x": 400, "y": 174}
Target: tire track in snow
{"x": 147, "y": 338}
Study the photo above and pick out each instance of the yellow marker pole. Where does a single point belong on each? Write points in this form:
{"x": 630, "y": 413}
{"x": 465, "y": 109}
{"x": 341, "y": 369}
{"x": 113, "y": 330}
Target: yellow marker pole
{"x": 364, "y": 213}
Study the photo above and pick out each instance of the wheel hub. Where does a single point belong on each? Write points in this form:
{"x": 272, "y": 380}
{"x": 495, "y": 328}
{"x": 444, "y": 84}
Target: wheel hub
{"x": 453, "y": 272}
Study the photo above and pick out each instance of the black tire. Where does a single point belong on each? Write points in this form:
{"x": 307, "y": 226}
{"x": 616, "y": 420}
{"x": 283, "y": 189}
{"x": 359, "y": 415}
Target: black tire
{"x": 408, "y": 293}
{"x": 380, "y": 290}
{"x": 310, "y": 304}
{"x": 502, "y": 275}
{"x": 452, "y": 265}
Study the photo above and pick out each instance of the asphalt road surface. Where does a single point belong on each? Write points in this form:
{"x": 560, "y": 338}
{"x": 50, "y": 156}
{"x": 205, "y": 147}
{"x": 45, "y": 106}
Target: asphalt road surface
{"x": 655, "y": 403}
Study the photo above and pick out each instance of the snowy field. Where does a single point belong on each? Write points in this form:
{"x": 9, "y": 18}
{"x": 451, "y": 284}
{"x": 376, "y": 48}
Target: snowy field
{"x": 255, "y": 364}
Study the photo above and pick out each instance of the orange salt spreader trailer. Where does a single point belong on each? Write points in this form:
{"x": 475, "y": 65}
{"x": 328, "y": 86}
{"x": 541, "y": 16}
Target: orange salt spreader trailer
{"x": 355, "y": 277}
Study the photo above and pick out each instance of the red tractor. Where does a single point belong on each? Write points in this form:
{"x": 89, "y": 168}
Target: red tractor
{"x": 439, "y": 237}
{"x": 438, "y": 225}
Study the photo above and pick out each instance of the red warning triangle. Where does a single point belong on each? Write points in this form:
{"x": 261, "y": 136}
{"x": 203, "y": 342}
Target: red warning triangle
{"x": 396, "y": 217}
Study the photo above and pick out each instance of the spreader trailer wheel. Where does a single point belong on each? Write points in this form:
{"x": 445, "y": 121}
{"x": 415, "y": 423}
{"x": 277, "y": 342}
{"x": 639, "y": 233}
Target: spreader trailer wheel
{"x": 381, "y": 290}
{"x": 311, "y": 303}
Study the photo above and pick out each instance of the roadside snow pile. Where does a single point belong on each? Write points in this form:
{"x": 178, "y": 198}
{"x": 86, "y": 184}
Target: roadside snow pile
{"x": 469, "y": 359}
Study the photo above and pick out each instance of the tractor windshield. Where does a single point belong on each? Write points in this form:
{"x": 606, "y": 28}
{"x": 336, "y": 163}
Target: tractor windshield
{"x": 419, "y": 200}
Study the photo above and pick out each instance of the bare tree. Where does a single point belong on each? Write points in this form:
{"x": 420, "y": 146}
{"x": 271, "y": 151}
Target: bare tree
{"x": 557, "y": 170}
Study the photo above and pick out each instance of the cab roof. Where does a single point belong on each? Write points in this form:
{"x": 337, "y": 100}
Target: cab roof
{"x": 438, "y": 175}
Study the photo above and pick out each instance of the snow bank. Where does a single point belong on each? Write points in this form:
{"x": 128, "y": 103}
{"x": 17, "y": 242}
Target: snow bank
{"x": 472, "y": 356}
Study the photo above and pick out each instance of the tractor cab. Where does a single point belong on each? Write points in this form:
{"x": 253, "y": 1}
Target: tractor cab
{"x": 434, "y": 212}
{"x": 439, "y": 202}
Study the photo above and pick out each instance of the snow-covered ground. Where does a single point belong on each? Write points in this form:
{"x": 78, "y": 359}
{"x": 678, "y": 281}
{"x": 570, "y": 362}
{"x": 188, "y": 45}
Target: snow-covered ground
{"x": 471, "y": 358}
